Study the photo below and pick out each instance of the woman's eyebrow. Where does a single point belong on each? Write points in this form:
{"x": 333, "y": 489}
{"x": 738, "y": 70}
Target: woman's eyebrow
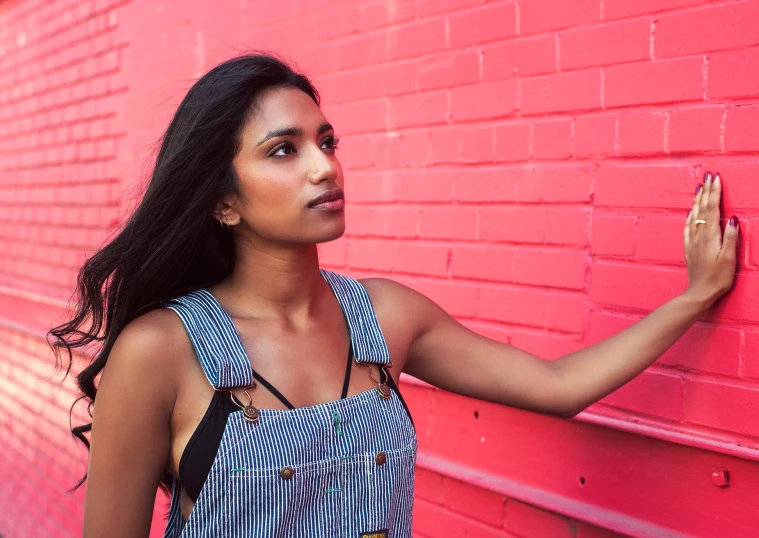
{"x": 293, "y": 131}
{"x": 286, "y": 131}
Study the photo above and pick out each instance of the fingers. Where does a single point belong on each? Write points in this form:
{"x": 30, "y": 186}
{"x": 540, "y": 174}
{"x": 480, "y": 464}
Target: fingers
{"x": 711, "y": 215}
{"x": 730, "y": 239}
{"x": 694, "y": 216}
{"x": 687, "y": 232}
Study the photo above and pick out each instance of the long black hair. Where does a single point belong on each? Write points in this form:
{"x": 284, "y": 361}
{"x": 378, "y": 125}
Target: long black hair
{"x": 171, "y": 244}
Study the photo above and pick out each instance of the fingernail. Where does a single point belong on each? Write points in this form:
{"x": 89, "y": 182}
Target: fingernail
{"x": 733, "y": 221}
{"x": 716, "y": 176}
{"x": 698, "y": 189}
{"x": 690, "y": 211}
{"x": 706, "y": 176}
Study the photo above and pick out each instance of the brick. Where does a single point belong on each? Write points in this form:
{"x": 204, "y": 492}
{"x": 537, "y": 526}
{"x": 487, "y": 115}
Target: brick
{"x": 645, "y": 288}
{"x": 512, "y": 142}
{"x": 485, "y": 184}
{"x": 613, "y": 236}
{"x": 448, "y": 70}
{"x": 457, "y": 298}
{"x": 519, "y": 57}
{"x": 437, "y": 521}
{"x": 607, "y": 44}
{"x": 555, "y": 183}
{"x": 428, "y": 486}
{"x": 414, "y": 39}
{"x": 424, "y": 108}
{"x": 371, "y": 186}
{"x": 566, "y": 312}
{"x": 714, "y": 404}
{"x": 446, "y": 6}
{"x": 486, "y": 100}
{"x": 477, "y": 144}
{"x": 614, "y": 9}
{"x": 363, "y": 116}
{"x": 552, "y": 139}
{"x": 538, "y": 16}
{"x": 467, "y": 499}
{"x": 522, "y": 306}
{"x": 414, "y": 147}
{"x": 740, "y": 190}
{"x": 709, "y": 349}
{"x": 333, "y": 253}
{"x": 645, "y": 186}
{"x": 563, "y": 92}
{"x": 355, "y": 51}
{"x": 641, "y": 132}
{"x": 386, "y": 150}
{"x": 740, "y": 128}
{"x": 557, "y": 268}
{"x": 733, "y": 74}
{"x": 445, "y": 144}
{"x": 489, "y": 23}
{"x": 749, "y": 366}
{"x": 419, "y": 258}
{"x": 739, "y": 303}
{"x": 728, "y": 25}
{"x": 654, "y": 82}
{"x": 457, "y": 223}
{"x": 526, "y": 520}
{"x": 424, "y": 186}
{"x": 660, "y": 238}
{"x": 389, "y": 79}
{"x": 651, "y": 393}
{"x": 381, "y": 255}
{"x": 382, "y": 221}
{"x": 695, "y": 129}
{"x": 528, "y": 224}
{"x": 595, "y": 135}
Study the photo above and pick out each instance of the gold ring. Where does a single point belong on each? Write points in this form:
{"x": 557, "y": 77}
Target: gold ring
{"x": 700, "y": 221}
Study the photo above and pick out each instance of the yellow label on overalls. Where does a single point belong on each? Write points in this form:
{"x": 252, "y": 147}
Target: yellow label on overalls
{"x": 374, "y": 534}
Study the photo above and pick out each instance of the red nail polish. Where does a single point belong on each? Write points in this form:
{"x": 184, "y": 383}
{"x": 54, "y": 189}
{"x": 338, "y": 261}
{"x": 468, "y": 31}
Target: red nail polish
{"x": 706, "y": 176}
{"x": 733, "y": 221}
{"x": 698, "y": 189}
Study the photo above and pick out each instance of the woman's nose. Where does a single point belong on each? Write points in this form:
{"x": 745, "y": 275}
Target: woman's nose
{"x": 321, "y": 166}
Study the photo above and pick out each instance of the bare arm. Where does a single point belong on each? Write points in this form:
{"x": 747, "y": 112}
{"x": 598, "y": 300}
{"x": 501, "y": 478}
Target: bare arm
{"x": 592, "y": 373}
{"x": 130, "y": 433}
{"x": 446, "y": 354}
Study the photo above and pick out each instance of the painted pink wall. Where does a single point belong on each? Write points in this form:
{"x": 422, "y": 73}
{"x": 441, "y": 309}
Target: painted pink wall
{"x": 527, "y": 164}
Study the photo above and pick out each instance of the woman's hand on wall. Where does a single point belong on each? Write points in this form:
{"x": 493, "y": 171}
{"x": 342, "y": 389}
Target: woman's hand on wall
{"x": 710, "y": 253}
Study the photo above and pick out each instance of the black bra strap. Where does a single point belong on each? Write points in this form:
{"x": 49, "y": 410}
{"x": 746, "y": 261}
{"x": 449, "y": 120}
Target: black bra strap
{"x": 347, "y": 381}
{"x": 274, "y": 391}
{"x": 391, "y": 382}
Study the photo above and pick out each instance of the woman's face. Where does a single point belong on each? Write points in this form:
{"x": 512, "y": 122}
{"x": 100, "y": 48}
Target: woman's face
{"x": 287, "y": 159}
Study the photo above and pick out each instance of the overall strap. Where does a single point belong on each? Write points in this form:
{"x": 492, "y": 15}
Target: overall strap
{"x": 214, "y": 338}
{"x": 368, "y": 342}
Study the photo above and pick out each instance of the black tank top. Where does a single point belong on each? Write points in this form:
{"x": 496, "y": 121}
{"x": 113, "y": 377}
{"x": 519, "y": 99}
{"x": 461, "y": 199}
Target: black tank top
{"x": 200, "y": 452}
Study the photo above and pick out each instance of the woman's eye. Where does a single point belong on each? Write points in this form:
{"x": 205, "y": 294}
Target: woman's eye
{"x": 284, "y": 149}
{"x": 330, "y": 143}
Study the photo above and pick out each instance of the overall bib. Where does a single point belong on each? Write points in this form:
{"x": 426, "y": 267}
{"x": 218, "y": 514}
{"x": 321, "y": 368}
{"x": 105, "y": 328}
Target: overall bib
{"x": 341, "y": 469}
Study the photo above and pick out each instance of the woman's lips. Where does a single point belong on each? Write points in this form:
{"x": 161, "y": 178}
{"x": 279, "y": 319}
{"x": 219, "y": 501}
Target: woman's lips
{"x": 331, "y": 205}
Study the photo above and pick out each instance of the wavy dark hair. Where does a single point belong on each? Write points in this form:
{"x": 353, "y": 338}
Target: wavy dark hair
{"x": 171, "y": 244}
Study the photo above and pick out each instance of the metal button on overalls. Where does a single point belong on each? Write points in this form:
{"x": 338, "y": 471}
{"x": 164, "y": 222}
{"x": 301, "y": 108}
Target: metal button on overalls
{"x": 286, "y": 472}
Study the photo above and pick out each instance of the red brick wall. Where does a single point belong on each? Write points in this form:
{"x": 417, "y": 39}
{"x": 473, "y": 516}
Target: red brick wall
{"x": 527, "y": 164}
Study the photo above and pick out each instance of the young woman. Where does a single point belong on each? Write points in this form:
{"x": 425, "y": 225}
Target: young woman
{"x": 262, "y": 390}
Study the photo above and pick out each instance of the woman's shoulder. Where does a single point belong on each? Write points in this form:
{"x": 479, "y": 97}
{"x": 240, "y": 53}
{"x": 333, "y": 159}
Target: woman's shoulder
{"x": 151, "y": 345}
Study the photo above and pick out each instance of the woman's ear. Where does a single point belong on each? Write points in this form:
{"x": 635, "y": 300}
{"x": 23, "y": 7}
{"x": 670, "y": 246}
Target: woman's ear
{"x": 224, "y": 213}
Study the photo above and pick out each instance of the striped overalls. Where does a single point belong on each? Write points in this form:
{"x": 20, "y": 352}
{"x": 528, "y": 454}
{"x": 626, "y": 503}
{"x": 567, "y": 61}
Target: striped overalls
{"x": 341, "y": 469}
